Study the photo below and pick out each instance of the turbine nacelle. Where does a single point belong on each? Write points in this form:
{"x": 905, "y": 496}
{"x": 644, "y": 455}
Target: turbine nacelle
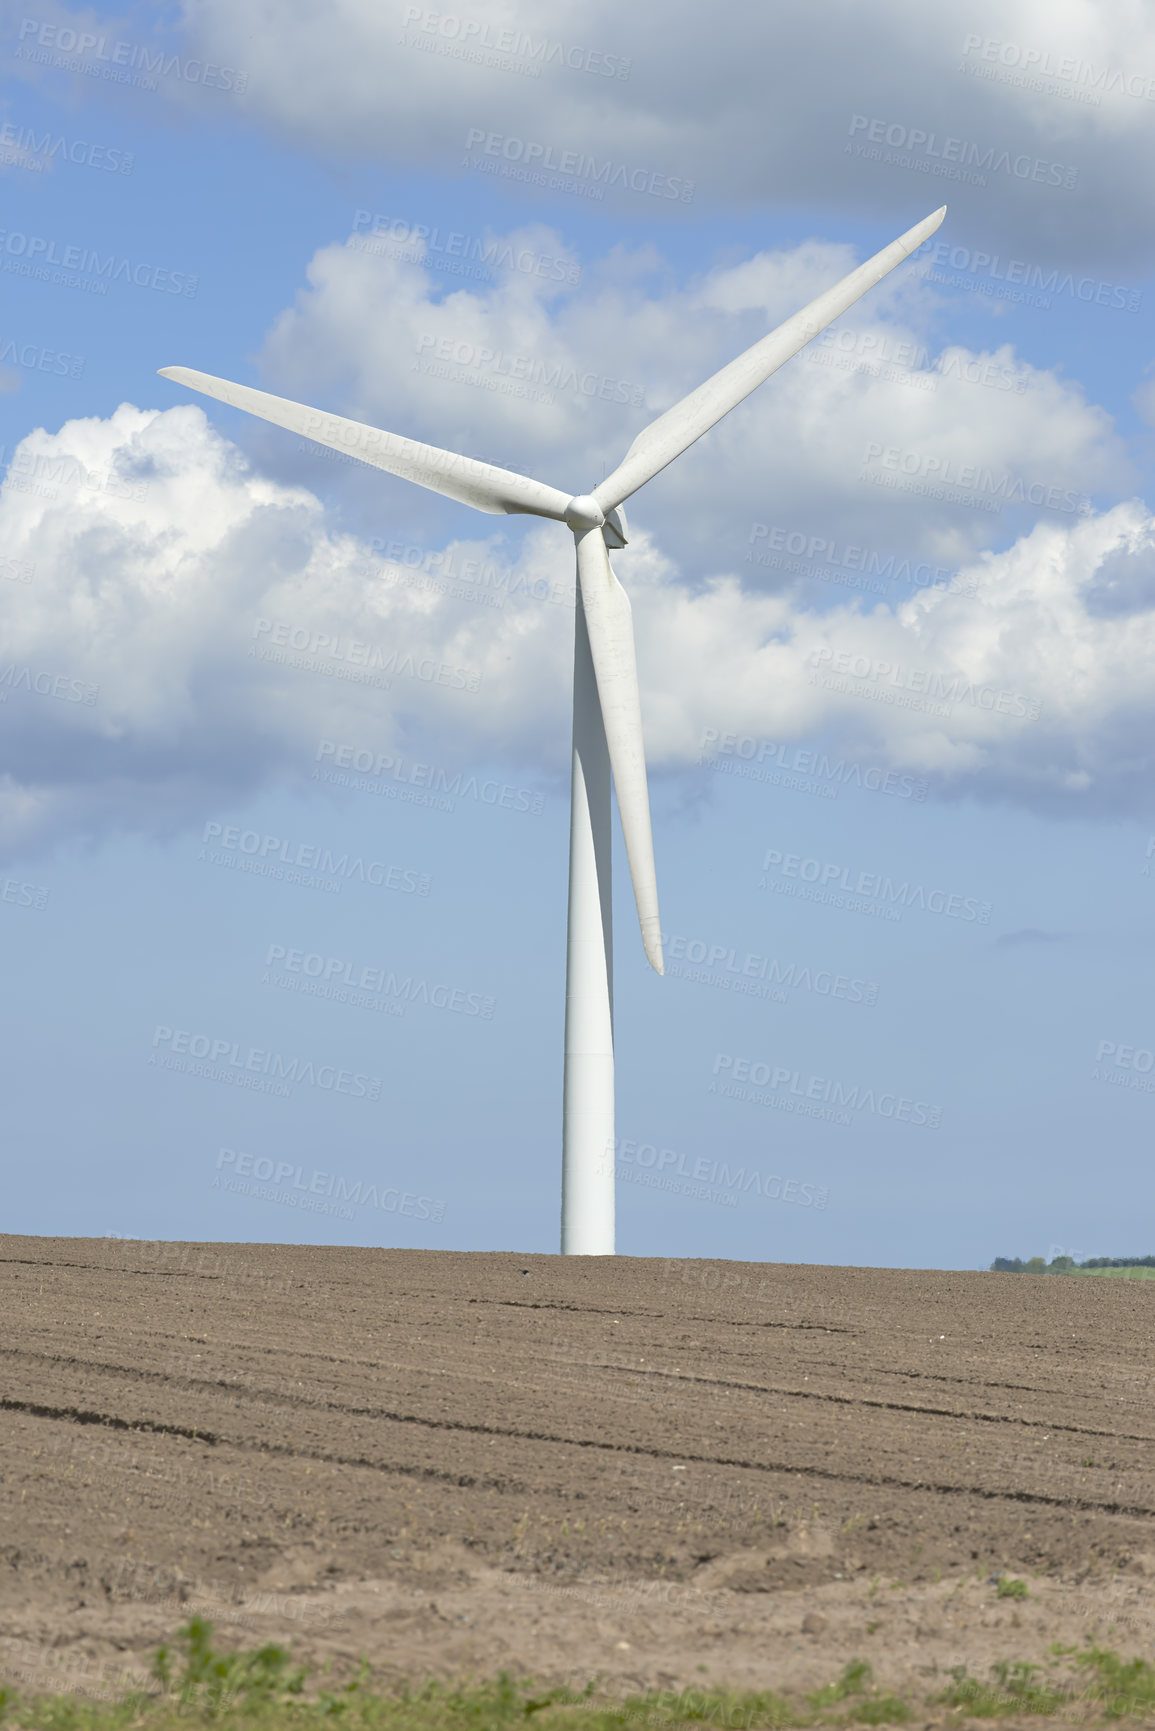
{"x": 583, "y": 513}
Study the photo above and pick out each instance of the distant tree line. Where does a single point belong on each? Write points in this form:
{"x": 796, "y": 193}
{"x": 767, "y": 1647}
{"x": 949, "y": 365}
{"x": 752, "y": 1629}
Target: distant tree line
{"x": 1062, "y": 1264}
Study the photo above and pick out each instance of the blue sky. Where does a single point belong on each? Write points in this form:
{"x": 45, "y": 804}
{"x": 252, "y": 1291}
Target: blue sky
{"x": 895, "y": 619}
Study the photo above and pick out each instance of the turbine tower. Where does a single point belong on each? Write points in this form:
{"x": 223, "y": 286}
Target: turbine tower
{"x": 607, "y": 716}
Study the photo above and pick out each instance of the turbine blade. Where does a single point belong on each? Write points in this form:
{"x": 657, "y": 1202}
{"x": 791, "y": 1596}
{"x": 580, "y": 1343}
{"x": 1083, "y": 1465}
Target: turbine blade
{"x": 677, "y": 429}
{"x": 473, "y": 483}
{"x": 609, "y": 621}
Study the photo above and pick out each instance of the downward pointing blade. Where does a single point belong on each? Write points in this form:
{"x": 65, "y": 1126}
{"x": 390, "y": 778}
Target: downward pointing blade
{"x": 473, "y": 483}
{"x": 673, "y": 432}
{"x": 609, "y": 622}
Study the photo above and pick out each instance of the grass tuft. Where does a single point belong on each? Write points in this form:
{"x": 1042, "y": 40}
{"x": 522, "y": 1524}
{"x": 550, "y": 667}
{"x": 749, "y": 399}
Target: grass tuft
{"x": 867, "y": 1707}
{"x": 1013, "y": 1690}
{"x": 263, "y": 1690}
{"x": 1121, "y": 1688}
{"x": 215, "y": 1683}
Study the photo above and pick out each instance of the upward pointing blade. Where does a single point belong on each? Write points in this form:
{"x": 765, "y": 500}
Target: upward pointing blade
{"x": 673, "y": 432}
{"x": 609, "y": 622}
{"x": 464, "y": 478}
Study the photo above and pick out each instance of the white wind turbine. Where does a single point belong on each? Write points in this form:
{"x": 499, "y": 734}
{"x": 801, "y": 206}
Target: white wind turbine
{"x": 607, "y": 716}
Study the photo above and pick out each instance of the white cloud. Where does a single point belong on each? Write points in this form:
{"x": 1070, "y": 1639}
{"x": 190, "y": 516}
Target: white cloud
{"x": 162, "y": 549}
{"x": 157, "y": 547}
{"x": 551, "y": 385}
{"x": 753, "y": 104}
{"x": 1019, "y": 682}
{"x": 156, "y": 551}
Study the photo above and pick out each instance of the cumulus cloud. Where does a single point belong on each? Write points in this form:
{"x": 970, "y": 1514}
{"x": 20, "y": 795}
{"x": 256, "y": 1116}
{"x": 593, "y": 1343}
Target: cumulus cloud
{"x": 755, "y": 105}
{"x": 876, "y": 434}
{"x": 1006, "y": 685}
{"x": 192, "y": 628}
{"x": 1029, "y": 119}
{"x": 196, "y": 622}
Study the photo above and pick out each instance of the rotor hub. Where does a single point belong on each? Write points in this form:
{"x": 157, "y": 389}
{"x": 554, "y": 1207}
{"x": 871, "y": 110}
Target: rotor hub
{"x": 584, "y": 512}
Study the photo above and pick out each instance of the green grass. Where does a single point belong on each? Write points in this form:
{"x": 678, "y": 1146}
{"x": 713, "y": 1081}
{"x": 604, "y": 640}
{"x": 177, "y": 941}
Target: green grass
{"x": 1012, "y": 1689}
{"x": 198, "y": 1687}
{"x": 1122, "y": 1688}
{"x": 866, "y": 1706}
{"x": 1102, "y": 1684}
{"x": 1008, "y": 1589}
{"x": 1132, "y": 1273}
{"x": 212, "y": 1682}
{"x": 203, "y": 1688}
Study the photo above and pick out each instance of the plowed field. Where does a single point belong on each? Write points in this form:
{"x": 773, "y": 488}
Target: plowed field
{"x": 646, "y": 1470}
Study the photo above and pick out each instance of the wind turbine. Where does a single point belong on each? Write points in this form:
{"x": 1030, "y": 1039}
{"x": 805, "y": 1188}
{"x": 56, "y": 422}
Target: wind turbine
{"x": 607, "y": 716}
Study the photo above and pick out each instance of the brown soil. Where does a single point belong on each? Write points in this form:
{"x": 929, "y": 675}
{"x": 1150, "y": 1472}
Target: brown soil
{"x": 656, "y": 1472}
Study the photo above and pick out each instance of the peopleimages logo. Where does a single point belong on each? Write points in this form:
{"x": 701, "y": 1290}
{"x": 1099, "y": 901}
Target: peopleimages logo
{"x": 822, "y": 881}
{"x": 803, "y": 1095}
{"x": 944, "y": 688}
{"x": 993, "y": 491}
{"x": 328, "y": 1185}
{"x": 41, "y": 360}
{"x": 44, "y": 147}
{"x": 916, "y": 142}
{"x": 1130, "y": 1066}
{"x": 119, "y": 62}
{"x": 223, "y": 1060}
{"x": 483, "y": 41}
{"x": 46, "y": 684}
{"x": 724, "y": 1183}
{"x": 372, "y": 766}
{"x": 1015, "y": 279}
{"x": 349, "y": 658}
{"x": 496, "y": 365}
{"x": 30, "y": 255}
{"x": 273, "y": 852}
{"x": 42, "y": 475}
{"x": 577, "y": 169}
{"x": 468, "y": 579}
{"x": 864, "y": 561}
{"x": 706, "y": 957}
{"x": 911, "y": 363}
{"x": 23, "y": 895}
{"x": 802, "y": 761}
{"x": 1039, "y": 63}
{"x": 366, "y": 987}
